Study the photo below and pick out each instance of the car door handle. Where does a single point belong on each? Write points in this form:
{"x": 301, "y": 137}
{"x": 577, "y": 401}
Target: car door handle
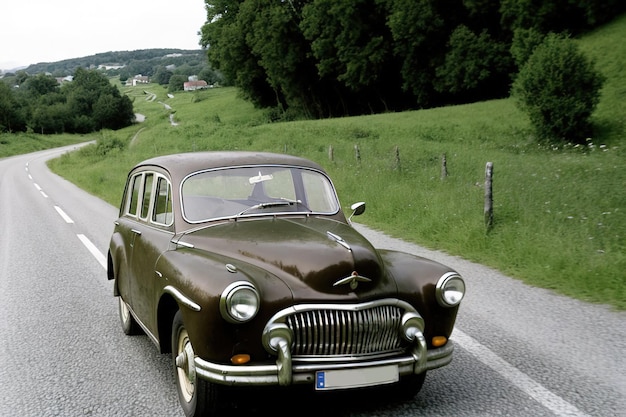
{"x": 135, "y": 231}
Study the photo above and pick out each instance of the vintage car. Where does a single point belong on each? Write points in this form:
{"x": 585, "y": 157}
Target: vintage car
{"x": 244, "y": 267}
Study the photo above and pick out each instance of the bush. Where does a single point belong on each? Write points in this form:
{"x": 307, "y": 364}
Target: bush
{"x": 559, "y": 89}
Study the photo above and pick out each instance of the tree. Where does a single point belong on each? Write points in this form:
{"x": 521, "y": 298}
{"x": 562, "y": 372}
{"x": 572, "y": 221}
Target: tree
{"x": 40, "y": 85}
{"x": 112, "y": 111}
{"x": 475, "y": 66}
{"x": 47, "y": 119}
{"x": 177, "y": 83}
{"x": 10, "y": 117}
{"x": 559, "y": 89}
{"x": 224, "y": 36}
{"x": 162, "y": 76}
{"x": 558, "y": 16}
{"x": 524, "y": 43}
{"x": 418, "y": 32}
{"x": 95, "y": 103}
{"x": 340, "y": 57}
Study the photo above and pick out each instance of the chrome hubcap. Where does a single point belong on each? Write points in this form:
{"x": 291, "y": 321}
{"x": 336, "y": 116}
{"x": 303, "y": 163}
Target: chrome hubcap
{"x": 186, "y": 366}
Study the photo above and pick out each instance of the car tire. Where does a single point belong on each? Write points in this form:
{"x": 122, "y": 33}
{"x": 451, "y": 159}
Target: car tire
{"x": 410, "y": 385}
{"x": 197, "y": 397}
{"x": 129, "y": 324}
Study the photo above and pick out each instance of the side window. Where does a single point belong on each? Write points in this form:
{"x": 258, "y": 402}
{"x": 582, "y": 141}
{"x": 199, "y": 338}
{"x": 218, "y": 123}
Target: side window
{"x": 131, "y": 206}
{"x": 147, "y": 194}
{"x": 162, "y": 212}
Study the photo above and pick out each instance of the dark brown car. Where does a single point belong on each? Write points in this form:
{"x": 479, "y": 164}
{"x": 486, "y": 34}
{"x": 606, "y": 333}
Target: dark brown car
{"x": 245, "y": 268}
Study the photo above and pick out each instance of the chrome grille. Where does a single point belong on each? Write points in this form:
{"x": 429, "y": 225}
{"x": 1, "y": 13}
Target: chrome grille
{"x": 336, "y": 332}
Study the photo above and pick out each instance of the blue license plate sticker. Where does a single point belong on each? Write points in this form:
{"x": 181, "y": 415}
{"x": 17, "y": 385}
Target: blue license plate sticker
{"x": 320, "y": 380}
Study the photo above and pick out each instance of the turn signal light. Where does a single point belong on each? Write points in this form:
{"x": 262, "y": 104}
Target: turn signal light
{"x": 439, "y": 341}
{"x": 240, "y": 359}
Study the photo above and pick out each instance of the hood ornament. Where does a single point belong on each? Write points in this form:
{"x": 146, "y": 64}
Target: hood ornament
{"x": 353, "y": 280}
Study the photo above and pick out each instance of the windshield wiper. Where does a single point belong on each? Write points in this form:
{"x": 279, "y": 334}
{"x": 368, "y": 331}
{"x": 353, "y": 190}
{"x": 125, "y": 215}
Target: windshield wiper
{"x": 265, "y": 205}
{"x": 296, "y": 202}
{"x": 281, "y": 202}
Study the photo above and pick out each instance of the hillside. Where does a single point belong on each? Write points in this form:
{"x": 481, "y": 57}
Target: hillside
{"x": 142, "y": 61}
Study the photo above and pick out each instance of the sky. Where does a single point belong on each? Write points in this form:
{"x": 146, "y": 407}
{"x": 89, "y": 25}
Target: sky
{"x": 34, "y": 31}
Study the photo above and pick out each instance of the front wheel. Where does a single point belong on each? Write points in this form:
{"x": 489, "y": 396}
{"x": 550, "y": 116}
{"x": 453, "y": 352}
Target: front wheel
{"x": 197, "y": 397}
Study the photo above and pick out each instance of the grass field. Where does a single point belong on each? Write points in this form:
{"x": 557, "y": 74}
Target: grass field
{"x": 18, "y": 144}
{"x": 559, "y": 213}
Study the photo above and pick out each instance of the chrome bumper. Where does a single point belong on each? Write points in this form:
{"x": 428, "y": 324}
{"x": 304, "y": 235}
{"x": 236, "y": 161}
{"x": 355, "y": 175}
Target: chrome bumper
{"x": 284, "y": 372}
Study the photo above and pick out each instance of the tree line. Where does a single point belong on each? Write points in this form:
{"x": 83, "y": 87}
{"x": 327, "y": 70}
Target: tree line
{"x": 325, "y": 58}
{"x": 86, "y": 104}
{"x": 141, "y": 61}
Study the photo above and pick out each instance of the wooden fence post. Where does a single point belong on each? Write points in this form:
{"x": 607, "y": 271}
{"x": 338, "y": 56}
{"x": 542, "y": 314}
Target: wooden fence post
{"x": 357, "y": 153}
{"x": 331, "y": 155}
{"x": 489, "y": 195}
{"x": 444, "y": 167}
{"x": 396, "y": 163}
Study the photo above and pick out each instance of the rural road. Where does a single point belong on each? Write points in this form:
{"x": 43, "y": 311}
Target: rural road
{"x": 520, "y": 351}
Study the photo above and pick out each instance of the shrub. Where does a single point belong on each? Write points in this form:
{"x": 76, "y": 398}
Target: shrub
{"x": 559, "y": 89}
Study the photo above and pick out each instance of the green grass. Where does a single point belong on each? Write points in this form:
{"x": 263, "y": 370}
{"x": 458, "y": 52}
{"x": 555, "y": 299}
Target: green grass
{"x": 22, "y": 143}
{"x": 559, "y": 214}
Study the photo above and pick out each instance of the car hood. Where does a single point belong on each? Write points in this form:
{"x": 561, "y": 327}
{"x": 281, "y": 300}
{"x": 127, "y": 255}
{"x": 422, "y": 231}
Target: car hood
{"x": 310, "y": 255}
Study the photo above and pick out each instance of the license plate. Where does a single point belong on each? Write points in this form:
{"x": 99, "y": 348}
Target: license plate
{"x": 355, "y": 378}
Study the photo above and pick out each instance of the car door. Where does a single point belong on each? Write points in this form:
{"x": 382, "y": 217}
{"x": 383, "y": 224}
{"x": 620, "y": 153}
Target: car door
{"x": 150, "y": 237}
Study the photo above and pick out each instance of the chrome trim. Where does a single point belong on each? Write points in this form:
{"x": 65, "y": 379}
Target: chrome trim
{"x": 181, "y": 298}
{"x": 345, "y": 336}
{"x": 339, "y": 240}
{"x": 305, "y": 373}
{"x": 280, "y": 316}
{"x": 439, "y": 289}
{"x": 353, "y": 280}
{"x": 227, "y": 295}
{"x": 183, "y": 244}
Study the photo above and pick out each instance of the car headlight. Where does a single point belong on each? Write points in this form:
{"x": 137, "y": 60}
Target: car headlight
{"x": 450, "y": 289}
{"x": 239, "y": 302}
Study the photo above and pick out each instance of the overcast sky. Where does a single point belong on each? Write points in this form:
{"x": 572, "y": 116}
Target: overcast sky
{"x": 33, "y": 31}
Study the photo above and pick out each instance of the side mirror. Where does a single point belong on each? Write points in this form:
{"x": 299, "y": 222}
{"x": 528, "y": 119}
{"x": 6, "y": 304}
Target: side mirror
{"x": 357, "y": 209}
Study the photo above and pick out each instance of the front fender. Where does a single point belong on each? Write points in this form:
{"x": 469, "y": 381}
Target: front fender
{"x": 201, "y": 277}
{"x": 117, "y": 257}
{"x": 417, "y": 278}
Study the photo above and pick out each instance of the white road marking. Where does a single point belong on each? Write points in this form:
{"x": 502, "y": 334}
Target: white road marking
{"x": 94, "y": 251}
{"x": 63, "y": 214}
{"x": 40, "y": 190}
{"x": 543, "y": 396}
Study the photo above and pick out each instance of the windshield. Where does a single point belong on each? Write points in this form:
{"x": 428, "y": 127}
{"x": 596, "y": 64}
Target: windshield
{"x": 256, "y": 190}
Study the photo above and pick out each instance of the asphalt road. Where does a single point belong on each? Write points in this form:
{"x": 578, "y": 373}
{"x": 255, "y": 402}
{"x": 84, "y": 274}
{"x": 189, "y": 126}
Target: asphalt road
{"x": 520, "y": 351}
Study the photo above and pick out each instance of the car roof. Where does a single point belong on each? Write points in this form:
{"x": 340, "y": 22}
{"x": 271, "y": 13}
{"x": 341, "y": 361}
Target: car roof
{"x": 179, "y": 165}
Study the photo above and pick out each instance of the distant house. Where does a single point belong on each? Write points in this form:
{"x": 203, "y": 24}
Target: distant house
{"x": 138, "y": 79}
{"x": 63, "y": 80}
{"x": 107, "y": 67}
{"x": 195, "y": 85}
